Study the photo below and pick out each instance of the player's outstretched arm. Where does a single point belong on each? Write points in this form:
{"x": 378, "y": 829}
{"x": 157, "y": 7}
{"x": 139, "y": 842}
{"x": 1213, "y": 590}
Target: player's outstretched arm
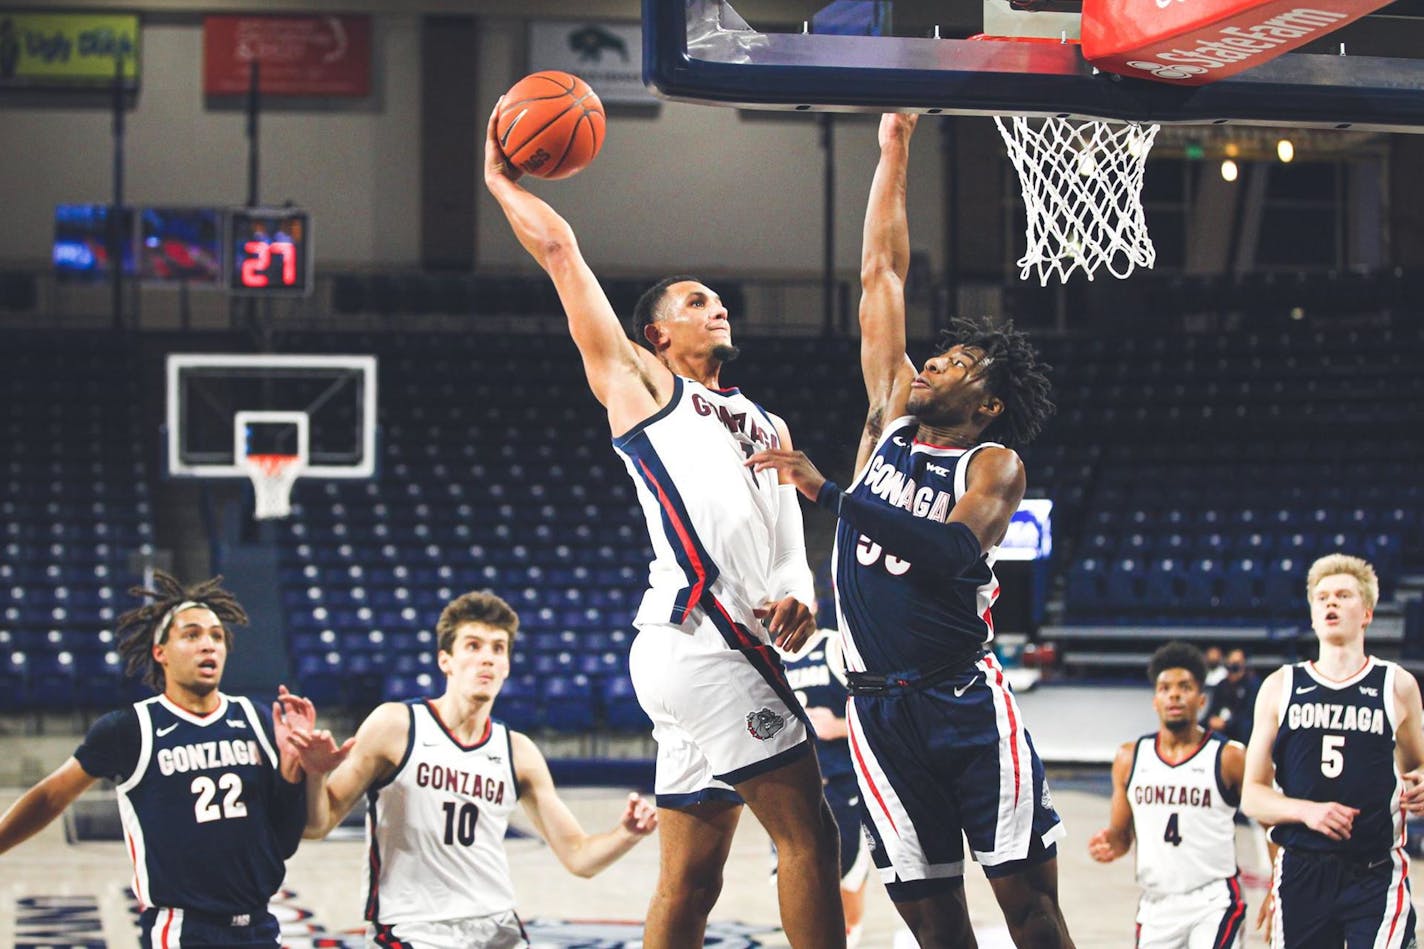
{"x": 1259, "y": 797}
{"x": 581, "y": 853}
{"x": 42, "y": 803}
{"x": 1409, "y": 741}
{"x": 624, "y": 377}
{"x": 1115, "y": 839}
{"x": 884, "y": 264}
{"x": 337, "y": 776}
{"x": 978, "y": 520}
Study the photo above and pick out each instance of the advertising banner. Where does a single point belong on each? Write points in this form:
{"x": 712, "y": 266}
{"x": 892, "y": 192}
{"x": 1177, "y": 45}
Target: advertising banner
{"x": 311, "y": 56}
{"x": 607, "y": 56}
{"x": 40, "y": 50}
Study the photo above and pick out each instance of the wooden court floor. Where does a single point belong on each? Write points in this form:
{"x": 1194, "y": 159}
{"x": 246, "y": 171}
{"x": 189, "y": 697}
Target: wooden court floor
{"x": 59, "y": 894}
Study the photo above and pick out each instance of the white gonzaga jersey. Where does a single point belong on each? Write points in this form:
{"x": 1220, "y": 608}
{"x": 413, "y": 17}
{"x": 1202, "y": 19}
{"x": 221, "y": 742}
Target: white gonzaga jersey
{"x": 1183, "y": 817}
{"x": 710, "y": 518}
{"x": 435, "y": 830}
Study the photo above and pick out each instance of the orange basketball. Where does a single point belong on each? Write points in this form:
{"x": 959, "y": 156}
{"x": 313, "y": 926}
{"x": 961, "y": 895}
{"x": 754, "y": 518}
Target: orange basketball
{"x": 550, "y": 124}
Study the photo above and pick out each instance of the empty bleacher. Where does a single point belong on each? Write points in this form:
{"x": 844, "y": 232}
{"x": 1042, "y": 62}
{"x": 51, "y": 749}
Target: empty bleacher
{"x": 1194, "y": 477}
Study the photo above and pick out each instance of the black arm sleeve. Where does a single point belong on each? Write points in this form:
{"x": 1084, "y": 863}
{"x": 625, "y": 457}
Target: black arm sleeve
{"x": 110, "y": 749}
{"x": 946, "y": 548}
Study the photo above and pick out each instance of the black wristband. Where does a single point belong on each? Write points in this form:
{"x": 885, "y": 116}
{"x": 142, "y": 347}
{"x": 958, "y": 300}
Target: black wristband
{"x": 829, "y": 497}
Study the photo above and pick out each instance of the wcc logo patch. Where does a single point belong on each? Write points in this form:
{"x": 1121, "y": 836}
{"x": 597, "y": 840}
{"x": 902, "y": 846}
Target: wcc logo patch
{"x": 764, "y": 723}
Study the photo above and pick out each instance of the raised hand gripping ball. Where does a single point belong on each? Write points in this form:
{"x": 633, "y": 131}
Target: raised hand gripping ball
{"x": 550, "y": 124}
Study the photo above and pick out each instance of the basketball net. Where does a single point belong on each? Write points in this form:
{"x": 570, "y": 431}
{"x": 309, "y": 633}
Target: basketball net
{"x": 272, "y": 478}
{"x": 1082, "y": 190}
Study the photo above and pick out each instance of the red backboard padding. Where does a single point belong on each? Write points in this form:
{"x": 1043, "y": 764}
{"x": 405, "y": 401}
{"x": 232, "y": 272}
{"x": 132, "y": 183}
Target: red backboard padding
{"x": 1194, "y": 42}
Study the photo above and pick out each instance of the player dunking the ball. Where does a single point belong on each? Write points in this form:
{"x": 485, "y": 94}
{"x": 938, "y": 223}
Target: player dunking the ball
{"x": 729, "y": 575}
{"x": 937, "y": 737}
{"x": 1333, "y": 766}
{"x": 1175, "y": 792}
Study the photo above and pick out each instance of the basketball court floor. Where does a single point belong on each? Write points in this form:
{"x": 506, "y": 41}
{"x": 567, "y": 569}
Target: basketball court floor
{"x": 56, "y": 893}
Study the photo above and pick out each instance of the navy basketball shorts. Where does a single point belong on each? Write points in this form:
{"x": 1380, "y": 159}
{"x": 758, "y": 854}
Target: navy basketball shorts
{"x": 1328, "y": 900}
{"x": 162, "y": 927}
{"x": 843, "y": 795}
{"x": 944, "y": 763}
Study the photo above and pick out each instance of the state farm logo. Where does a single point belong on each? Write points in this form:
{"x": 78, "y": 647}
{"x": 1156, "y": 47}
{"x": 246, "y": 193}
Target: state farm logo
{"x": 1231, "y": 45}
{"x": 1163, "y": 71}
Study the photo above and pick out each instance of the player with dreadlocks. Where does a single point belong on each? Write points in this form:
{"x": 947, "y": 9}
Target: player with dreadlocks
{"x": 939, "y": 745}
{"x": 211, "y": 798}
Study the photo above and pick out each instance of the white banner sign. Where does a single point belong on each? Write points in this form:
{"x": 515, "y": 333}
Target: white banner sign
{"x": 607, "y": 56}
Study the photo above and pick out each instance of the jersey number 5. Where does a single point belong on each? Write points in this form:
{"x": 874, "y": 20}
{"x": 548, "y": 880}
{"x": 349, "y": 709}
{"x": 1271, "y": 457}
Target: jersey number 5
{"x": 1332, "y": 758}
{"x": 868, "y": 552}
{"x": 204, "y": 810}
{"x": 460, "y": 820}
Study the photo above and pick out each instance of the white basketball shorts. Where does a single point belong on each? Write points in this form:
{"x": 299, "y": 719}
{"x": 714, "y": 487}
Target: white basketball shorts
{"x": 722, "y": 713}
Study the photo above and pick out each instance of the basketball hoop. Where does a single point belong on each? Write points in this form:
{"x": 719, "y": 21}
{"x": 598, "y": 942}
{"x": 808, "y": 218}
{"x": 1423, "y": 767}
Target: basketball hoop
{"x": 1082, "y": 190}
{"x": 272, "y": 477}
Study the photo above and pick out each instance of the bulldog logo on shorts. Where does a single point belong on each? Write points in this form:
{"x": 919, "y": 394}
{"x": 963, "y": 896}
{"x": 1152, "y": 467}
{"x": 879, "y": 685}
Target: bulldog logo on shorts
{"x": 764, "y": 723}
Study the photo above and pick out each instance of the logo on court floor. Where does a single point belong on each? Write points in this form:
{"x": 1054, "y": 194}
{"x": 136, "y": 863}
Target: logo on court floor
{"x": 58, "y": 921}
{"x": 600, "y": 934}
{"x": 764, "y": 723}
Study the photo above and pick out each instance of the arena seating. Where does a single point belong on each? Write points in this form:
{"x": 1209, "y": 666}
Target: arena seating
{"x": 1225, "y": 465}
{"x": 74, "y": 502}
{"x": 1194, "y": 478}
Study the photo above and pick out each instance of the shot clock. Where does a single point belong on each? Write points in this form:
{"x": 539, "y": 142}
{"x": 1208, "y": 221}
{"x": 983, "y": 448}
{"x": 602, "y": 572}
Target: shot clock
{"x": 269, "y": 252}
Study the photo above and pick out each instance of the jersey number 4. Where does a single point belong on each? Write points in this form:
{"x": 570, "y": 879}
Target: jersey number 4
{"x": 460, "y": 820}
{"x": 1173, "y": 834}
{"x": 204, "y": 808}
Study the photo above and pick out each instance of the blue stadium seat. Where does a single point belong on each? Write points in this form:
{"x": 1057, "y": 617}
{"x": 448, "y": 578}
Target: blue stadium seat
{"x": 621, "y": 710}
{"x": 568, "y": 703}
{"x": 1125, "y": 584}
{"x": 1204, "y": 577}
{"x": 14, "y": 680}
{"x": 1085, "y": 591}
{"x": 1283, "y": 587}
{"x": 519, "y": 703}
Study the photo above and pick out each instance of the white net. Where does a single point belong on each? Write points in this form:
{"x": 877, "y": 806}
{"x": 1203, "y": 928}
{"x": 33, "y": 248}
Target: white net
{"x": 1082, "y": 188}
{"x": 272, "y": 478}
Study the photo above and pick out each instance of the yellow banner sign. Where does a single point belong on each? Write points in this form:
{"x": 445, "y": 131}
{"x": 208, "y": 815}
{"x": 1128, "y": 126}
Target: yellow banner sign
{"x": 61, "y": 49}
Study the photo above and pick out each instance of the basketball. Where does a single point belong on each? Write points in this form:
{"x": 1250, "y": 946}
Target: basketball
{"x": 550, "y": 124}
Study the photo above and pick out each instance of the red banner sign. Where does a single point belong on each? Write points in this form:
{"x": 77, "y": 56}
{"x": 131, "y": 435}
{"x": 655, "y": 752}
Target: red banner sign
{"x": 298, "y": 55}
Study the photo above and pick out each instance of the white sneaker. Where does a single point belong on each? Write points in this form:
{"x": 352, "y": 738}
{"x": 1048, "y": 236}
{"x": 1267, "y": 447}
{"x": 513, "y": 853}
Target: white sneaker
{"x": 853, "y": 935}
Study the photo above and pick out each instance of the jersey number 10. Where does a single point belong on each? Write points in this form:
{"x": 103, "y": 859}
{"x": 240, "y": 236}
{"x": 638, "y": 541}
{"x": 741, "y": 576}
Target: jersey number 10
{"x": 460, "y": 820}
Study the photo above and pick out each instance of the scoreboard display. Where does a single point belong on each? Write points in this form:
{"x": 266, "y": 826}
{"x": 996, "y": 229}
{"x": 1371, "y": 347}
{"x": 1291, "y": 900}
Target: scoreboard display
{"x": 269, "y": 252}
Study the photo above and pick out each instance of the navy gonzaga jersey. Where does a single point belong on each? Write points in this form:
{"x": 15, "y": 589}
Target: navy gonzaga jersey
{"x": 207, "y": 819}
{"x": 898, "y": 616}
{"x": 1336, "y": 743}
{"x": 817, "y": 674}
